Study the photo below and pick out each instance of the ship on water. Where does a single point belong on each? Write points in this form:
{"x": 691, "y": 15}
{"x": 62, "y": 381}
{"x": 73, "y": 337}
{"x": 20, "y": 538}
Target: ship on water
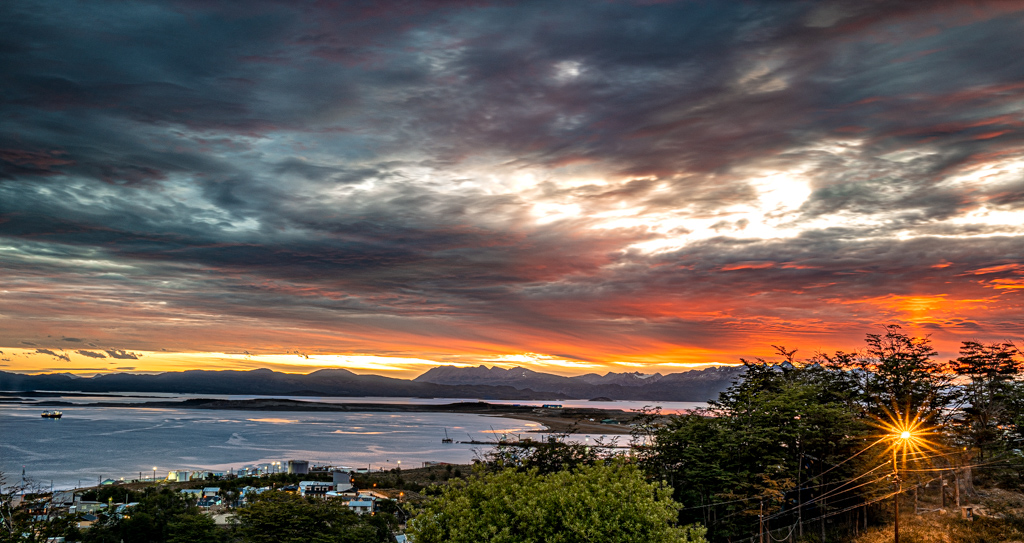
{"x": 52, "y": 414}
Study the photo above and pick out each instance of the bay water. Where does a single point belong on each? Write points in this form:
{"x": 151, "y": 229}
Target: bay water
{"x": 90, "y": 443}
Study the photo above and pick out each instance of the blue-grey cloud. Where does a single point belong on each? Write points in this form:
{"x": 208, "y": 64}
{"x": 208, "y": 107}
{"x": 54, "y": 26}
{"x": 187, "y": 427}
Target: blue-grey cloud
{"x": 447, "y": 169}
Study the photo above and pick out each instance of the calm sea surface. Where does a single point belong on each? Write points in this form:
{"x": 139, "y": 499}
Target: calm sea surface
{"x": 93, "y": 443}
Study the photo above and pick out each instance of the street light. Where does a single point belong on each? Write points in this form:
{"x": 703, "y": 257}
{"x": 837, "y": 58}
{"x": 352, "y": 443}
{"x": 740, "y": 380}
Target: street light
{"x": 906, "y": 432}
{"x": 903, "y": 437}
{"x": 154, "y": 474}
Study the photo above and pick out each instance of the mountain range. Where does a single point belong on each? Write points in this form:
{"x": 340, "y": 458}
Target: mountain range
{"x": 694, "y": 385}
{"x": 439, "y": 382}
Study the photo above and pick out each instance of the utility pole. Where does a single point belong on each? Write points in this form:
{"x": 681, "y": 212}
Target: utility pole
{"x": 956, "y": 480}
{"x": 896, "y": 498}
{"x": 760, "y": 522}
{"x": 799, "y": 496}
{"x": 824, "y": 510}
{"x": 824, "y": 507}
{"x": 942, "y": 488}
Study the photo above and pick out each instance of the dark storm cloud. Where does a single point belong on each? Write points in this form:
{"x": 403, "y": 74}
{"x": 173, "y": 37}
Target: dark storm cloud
{"x": 121, "y": 355}
{"x": 326, "y": 162}
{"x": 59, "y": 356}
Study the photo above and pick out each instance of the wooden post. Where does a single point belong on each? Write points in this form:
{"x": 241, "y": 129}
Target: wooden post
{"x": 760, "y": 524}
{"x": 896, "y": 499}
{"x": 956, "y": 477}
{"x": 799, "y": 498}
{"x": 896, "y": 523}
{"x": 942, "y": 488}
{"x": 824, "y": 509}
{"x": 915, "y": 497}
{"x": 823, "y": 515}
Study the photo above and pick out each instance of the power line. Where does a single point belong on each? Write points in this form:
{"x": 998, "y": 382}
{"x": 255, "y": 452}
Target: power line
{"x": 954, "y": 468}
{"x": 785, "y": 537}
{"x": 822, "y": 497}
{"x": 879, "y": 440}
{"x": 840, "y": 489}
{"x": 851, "y": 508}
{"x": 769, "y": 494}
{"x": 800, "y": 489}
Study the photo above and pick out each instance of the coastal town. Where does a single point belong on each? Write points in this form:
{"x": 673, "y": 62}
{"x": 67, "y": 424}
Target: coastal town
{"x": 219, "y": 495}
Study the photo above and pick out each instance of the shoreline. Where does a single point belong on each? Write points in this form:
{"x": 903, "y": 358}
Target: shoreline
{"x": 574, "y": 420}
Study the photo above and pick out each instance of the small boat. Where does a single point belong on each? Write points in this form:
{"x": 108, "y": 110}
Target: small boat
{"x": 52, "y": 414}
{"x": 446, "y": 438}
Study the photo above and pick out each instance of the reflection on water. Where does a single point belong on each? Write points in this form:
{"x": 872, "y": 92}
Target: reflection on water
{"x": 90, "y": 444}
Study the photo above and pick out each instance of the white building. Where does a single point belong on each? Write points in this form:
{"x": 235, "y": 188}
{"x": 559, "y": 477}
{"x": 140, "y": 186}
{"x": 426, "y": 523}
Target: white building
{"x": 179, "y": 475}
{"x": 315, "y": 488}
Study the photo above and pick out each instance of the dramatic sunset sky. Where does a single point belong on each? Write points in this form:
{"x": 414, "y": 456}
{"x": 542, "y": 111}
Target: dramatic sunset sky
{"x": 571, "y": 186}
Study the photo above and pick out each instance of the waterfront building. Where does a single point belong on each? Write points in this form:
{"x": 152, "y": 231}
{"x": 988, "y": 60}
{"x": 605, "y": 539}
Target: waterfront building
{"x": 298, "y": 467}
{"x": 179, "y": 476}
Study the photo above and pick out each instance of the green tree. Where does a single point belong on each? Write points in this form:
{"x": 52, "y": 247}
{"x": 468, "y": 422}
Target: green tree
{"x": 605, "y": 502}
{"x": 755, "y": 444}
{"x": 150, "y": 521}
{"x": 558, "y": 453}
{"x": 900, "y": 373}
{"x": 987, "y": 416}
{"x": 279, "y": 517}
{"x": 195, "y": 528}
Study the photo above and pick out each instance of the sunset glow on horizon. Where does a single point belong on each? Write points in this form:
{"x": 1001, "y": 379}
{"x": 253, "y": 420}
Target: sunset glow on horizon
{"x": 572, "y": 187}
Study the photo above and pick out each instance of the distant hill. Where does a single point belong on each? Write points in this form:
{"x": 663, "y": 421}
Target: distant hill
{"x": 694, "y": 386}
{"x": 440, "y": 382}
{"x": 631, "y": 379}
{"x": 330, "y": 382}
